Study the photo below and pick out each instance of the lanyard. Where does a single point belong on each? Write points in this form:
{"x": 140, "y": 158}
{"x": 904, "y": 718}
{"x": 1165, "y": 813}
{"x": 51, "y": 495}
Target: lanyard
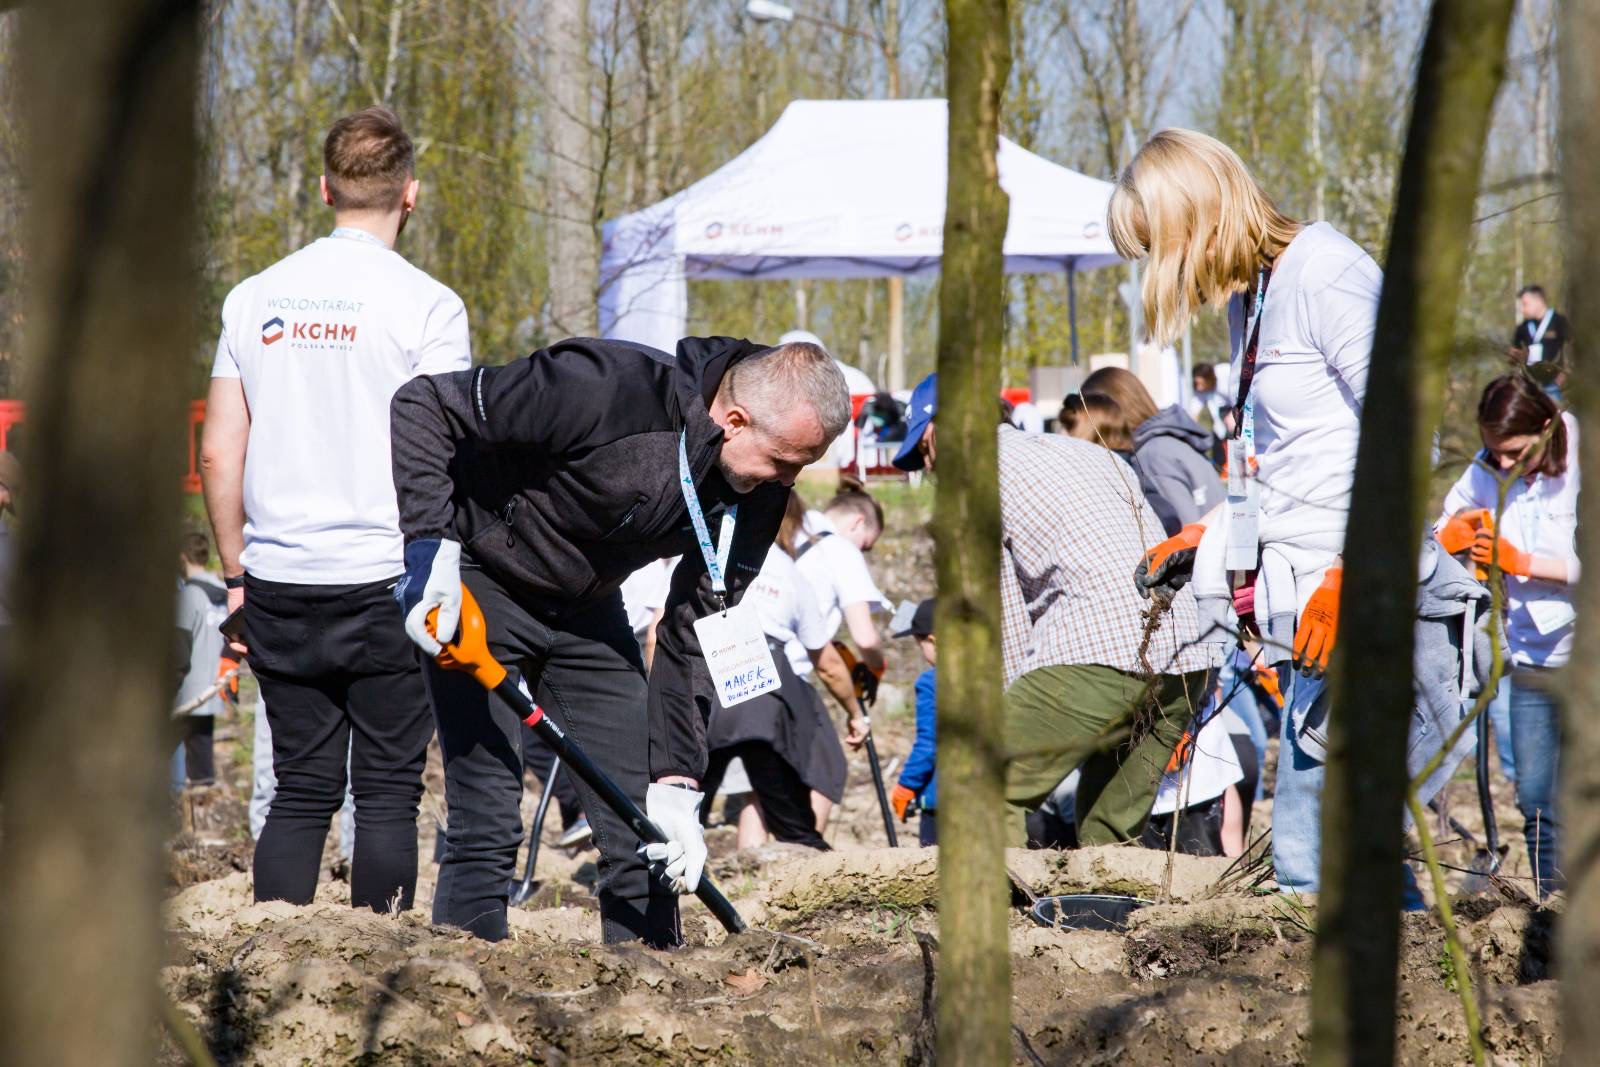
{"x": 716, "y": 555}
{"x": 1247, "y": 371}
{"x": 355, "y": 233}
{"x": 1544, "y": 324}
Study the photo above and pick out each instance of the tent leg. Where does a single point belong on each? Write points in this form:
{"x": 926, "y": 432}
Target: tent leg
{"x": 1072, "y": 306}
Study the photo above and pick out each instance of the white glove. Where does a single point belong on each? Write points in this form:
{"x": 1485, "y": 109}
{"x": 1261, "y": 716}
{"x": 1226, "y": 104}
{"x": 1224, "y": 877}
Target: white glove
{"x": 676, "y": 812}
{"x": 432, "y": 580}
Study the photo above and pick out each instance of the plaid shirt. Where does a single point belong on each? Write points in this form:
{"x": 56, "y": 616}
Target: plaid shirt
{"x": 1073, "y": 526}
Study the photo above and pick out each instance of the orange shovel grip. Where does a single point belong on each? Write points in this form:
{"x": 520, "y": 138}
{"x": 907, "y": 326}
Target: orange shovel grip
{"x": 470, "y": 650}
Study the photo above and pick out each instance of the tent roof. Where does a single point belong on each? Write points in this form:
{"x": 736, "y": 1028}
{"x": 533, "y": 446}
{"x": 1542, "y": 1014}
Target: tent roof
{"x": 856, "y": 188}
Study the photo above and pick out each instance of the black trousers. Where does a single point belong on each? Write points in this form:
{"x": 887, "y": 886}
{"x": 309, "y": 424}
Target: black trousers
{"x": 338, "y": 676}
{"x": 197, "y": 733}
{"x": 540, "y": 759}
{"x": 785, "y": 800}
{"x": 583, "y": 666}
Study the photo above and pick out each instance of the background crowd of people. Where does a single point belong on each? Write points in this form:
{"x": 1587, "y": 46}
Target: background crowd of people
{"x": 1170, "y": 579}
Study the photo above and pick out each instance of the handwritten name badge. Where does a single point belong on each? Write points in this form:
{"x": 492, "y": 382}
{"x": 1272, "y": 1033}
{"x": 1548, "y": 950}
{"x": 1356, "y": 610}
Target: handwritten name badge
{"x": 737, "y": 655}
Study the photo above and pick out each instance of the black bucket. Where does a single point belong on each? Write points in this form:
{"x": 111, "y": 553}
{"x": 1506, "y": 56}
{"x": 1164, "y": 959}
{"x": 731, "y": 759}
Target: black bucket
{"x": 1086, "y": 911}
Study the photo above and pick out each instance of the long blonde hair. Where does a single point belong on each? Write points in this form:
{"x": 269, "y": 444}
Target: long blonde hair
{"x": 1189, "y": 205}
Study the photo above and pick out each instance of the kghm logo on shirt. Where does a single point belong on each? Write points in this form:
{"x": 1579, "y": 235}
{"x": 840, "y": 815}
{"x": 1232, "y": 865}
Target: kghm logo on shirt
{"x": 272, "y": 330}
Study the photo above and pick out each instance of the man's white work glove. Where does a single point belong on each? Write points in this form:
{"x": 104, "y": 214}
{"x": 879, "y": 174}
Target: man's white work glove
{"x": 676, "y": 813}
{"x": 432, "y": 580}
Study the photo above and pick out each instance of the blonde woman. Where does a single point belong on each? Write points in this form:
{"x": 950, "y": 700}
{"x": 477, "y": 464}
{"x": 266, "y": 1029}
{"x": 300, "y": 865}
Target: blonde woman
{"x": 1301, "y": 299}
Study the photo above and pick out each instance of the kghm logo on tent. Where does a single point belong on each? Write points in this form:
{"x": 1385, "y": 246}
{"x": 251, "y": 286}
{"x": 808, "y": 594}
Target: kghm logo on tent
{"x": 713, "y": 231}
{"x": 272, "y": 330}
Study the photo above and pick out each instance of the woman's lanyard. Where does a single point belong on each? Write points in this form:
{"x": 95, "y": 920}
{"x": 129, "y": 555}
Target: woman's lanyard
{"x": 1243, "y": 513}
{"x": 716, "y": 554}
{"x": 1245, "y": 426}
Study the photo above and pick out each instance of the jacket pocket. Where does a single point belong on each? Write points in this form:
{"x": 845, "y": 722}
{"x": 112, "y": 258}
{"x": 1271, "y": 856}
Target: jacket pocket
{"x": 627, "y": 520}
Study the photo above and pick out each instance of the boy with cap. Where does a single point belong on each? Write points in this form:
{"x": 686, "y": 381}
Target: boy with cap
{"x": 918, "y": 778}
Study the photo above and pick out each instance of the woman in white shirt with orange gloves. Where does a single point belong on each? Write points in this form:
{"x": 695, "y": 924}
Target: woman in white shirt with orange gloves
{"x": 1301, "y": 301}
{"x": 1528, "y": 439}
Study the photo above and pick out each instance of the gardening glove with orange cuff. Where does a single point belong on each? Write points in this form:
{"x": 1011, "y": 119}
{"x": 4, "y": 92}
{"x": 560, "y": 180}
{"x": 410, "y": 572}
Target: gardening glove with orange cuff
{"x": 1319, "y": 626}
{"x": 1169, "y": 566}
{"x": 1487, "y": 550}
{"x": 900, "y": 800}
{"x": 863, "y": 677}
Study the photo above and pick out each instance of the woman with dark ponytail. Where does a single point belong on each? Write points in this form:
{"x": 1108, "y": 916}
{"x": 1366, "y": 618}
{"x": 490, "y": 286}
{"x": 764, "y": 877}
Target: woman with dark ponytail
{"x": 1529, "y": 440}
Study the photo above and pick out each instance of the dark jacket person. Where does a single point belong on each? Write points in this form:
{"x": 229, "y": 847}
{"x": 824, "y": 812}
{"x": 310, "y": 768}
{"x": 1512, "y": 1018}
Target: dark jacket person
{"x": 544, "y": 483}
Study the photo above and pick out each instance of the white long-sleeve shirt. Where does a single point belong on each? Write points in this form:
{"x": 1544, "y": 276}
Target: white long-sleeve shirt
{"x": 1310, "y": 381}
{"x": 1541, "y": 518}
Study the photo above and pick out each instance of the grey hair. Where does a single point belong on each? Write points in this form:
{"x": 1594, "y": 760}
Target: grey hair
{"x": 773, "y": 380}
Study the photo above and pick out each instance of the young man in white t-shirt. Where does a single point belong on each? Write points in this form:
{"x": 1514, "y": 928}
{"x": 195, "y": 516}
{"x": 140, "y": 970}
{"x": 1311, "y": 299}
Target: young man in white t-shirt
{"x": 297, "y": 481}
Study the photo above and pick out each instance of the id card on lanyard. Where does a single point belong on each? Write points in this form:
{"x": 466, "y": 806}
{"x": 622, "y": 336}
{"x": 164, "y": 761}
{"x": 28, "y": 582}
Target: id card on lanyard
{"x": 1244, "y": 490}
{"x": 1536, "y": 338}
{"x": 731, "y": 639}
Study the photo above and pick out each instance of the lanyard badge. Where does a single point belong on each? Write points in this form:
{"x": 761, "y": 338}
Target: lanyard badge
{"x": 731, "y": 639}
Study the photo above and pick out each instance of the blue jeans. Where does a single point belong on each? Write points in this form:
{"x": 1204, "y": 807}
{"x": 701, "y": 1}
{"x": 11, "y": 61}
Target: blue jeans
{"x": 1232, "y": 685}
{"x": 1536, "y": 740}
{"x": 1297, "y": 799}
{"x": 1499, "y": 712}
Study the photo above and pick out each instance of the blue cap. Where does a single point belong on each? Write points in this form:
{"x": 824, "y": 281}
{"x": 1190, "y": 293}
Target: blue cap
{"x": 923, "y": 407}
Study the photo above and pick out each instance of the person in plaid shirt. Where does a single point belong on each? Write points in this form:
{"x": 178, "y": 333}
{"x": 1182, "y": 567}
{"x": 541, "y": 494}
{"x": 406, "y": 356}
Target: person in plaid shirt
{"x": 1073, "y": 522}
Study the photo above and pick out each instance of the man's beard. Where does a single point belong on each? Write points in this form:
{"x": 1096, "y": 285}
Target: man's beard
{"x": 738, "y": 482}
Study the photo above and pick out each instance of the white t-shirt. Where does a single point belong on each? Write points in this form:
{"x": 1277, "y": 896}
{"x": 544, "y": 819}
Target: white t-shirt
{"x": 1542, "y": 519}
{"x": 787, "y": 607}
{"x": 1310, "y": 381}
{"x": 644, "y": 592}
{"x": 320, "y": 341}
{"x": 837, "y": 571}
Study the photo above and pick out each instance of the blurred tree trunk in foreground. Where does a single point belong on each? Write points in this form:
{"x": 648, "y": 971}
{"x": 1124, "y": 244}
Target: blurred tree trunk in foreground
{"x": 974, "y": 961}
{"x": 1358, "y": 917}
{"x": 1580, "y": 757}
{"x": 574, "y": 249}
{"x": 109, "y": 88}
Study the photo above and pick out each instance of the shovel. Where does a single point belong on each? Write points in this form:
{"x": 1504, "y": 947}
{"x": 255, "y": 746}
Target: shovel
{"x": 521, "y": 891}
{"x": 856, "y": 669}
{"x": 469, "y": 652}
{"x": 1486, "y": 860}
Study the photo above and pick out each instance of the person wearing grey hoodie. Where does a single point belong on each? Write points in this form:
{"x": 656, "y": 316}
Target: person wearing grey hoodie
{"x": 1172, "y": 452}
{"x": 1169, "y": 449}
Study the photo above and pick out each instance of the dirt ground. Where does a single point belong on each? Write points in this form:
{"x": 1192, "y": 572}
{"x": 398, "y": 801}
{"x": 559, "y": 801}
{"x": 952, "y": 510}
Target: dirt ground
{"x": 1217, "y": 970}
{"x": 1212, "y": 973}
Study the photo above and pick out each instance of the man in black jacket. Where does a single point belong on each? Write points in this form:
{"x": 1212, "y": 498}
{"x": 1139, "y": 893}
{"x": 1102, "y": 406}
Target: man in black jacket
{"x": 543, "y": 484}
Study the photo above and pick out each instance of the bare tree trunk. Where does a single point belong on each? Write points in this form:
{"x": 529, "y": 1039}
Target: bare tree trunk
{"x": 574, "y": 252}
{"x": 299, "y": 81}
{"x": 1358, "y": 923}
{"x": 110, "y": 93}
{"x": 1580, "y": 737}
{"x": 975, "y": 964}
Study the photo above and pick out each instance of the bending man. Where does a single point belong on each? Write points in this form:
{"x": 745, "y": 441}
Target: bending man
{"x": 543, "y": 484}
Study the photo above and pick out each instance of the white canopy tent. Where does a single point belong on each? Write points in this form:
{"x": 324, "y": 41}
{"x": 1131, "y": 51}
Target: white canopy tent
{"x": 836, "y": 189}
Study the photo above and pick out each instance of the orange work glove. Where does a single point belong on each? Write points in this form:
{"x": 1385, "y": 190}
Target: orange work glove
{"x": 1487, "y": 550}
{"x": 230, "y": 688}
{"x": 1169, "y": 566}
{"x": 863, "y": 677}
{"x": 1181, "y": 754}
{"x": 1460, "y": 529}
{"x": 1319, "y": 626}
{"x": 900, "y": 800}
{"x": 1267, "y": 679}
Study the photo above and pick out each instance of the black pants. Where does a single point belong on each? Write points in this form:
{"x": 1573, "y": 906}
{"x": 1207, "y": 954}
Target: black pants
{"x": 196, "y": 733}
{"x": 584, "y": 668}
{"x": 338, "y": 676}
{"x": 540, "y": 759}
{"x": 928, "y": 828}
{"x": 785, "y": 800}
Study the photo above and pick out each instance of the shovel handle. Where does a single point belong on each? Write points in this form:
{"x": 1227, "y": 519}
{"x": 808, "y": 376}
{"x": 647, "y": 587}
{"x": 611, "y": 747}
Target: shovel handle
{"x": 469, "y": 652}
